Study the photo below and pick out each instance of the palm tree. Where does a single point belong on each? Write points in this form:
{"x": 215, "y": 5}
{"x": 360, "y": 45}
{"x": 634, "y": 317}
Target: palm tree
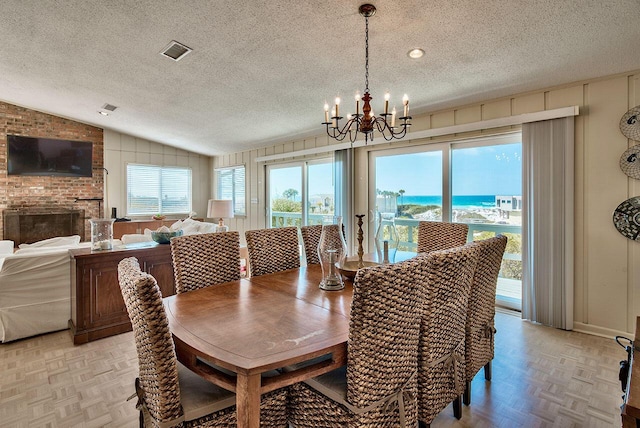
{"x": 401, "y": 192}
{"x": 290, "y": 194}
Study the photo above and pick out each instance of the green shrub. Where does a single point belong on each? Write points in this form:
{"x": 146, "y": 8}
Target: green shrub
{"x": 286, "y": 206}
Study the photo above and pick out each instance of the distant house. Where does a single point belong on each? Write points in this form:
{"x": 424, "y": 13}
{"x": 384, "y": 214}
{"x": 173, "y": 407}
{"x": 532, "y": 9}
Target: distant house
{"x": 509, "y": 203}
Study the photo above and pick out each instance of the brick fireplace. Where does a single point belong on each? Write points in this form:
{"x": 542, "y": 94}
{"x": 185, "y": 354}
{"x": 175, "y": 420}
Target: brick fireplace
{"x": 43, "y": 193}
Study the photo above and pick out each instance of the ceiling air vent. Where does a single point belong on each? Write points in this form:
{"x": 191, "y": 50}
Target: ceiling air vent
{"x": 109, "y": 107}
{"x": 176, "y": 51}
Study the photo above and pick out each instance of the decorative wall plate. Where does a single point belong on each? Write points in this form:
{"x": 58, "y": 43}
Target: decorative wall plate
{"x": 630, "y": 124}
{"x": 630, "y": 162}
{"x": 626, "y": 218}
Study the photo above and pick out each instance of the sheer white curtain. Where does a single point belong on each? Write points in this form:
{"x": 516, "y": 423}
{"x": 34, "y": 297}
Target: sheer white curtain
{"x": 343, "y": 179}
{"x": 547, "y": 253}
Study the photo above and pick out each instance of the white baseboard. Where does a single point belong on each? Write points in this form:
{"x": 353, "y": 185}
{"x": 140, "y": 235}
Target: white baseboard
{"x": 600, "y": 331}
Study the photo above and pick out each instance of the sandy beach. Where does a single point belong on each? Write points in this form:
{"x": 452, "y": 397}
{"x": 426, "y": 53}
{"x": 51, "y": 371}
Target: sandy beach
{"x": 472, "y": 215}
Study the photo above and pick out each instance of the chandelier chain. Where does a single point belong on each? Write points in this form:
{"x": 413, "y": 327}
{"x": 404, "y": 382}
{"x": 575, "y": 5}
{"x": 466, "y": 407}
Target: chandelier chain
{"x": 366, "y": 54}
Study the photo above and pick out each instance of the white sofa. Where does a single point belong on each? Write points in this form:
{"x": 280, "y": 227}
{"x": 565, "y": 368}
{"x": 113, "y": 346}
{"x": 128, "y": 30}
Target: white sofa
{"x": 35, "y": 287}
{"x": 35, "y": 281}
{"x": 188, "y": 227}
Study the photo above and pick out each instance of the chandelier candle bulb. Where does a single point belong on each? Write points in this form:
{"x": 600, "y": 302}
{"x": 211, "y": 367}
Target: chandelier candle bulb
{"x": 337, "y": 106}
{"x": 393, "y": 117}
{"x": 386, "y": 103}
{"x": 405, "y": 101}
{"x": 326, "y": 113}
{"x": 357, "y": 103}
{"x": 333, "y": 119}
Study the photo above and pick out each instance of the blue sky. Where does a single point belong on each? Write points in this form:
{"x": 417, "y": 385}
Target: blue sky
{"x": 490, "y": 170}
{"x": 320, "y": 180}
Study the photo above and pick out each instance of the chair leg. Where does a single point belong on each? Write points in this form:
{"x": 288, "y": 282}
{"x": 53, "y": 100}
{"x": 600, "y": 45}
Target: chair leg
{"x": 466, "y": 396}
{"x": 487, "y": 371}
{"x": 141, "y": 419}
{"x": 423, "y": 425}
{"x": 457, "y": 407}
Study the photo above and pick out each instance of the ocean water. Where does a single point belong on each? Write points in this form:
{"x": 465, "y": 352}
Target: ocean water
{"x": 459, "y": 202}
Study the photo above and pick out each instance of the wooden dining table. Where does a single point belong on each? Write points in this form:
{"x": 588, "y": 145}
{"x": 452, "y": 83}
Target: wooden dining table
{"x": 235, "y": 334}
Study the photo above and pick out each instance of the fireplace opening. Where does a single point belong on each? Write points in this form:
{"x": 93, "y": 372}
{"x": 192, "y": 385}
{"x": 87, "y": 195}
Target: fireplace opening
{"x": 26, "y": 226}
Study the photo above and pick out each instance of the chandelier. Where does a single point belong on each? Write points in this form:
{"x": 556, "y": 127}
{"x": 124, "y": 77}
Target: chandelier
{"x": 366, "y": 122}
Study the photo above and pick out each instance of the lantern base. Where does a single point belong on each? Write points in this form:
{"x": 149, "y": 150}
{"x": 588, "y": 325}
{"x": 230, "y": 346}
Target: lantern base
{"x": 331, "y": 285}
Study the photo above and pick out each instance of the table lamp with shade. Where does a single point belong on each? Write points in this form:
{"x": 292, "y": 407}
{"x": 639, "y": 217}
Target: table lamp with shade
{"x": 220, "y": 209}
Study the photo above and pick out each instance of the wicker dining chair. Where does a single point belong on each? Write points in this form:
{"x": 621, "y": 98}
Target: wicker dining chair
{"x": 204, "y": 260}
{"x": 482, "y": 310}
{"x": 441, "y": 364}
{"x": 311, "y": 239}
{"x": 377, "y": 387}
{"x": 273, "y": 250}
{"x": 438, "y": 235}
{"x": 168, "y": 393}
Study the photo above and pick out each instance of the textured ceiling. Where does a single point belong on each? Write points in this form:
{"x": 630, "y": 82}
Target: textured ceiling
{"x": 261, "y": 70}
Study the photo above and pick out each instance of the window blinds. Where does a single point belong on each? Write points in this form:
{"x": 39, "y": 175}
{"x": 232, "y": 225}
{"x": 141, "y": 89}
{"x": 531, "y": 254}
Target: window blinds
{"x": 153, "y": 189}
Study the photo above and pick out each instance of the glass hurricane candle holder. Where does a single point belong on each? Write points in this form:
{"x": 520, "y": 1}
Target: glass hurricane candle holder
{"x": 386, "y": 239}
{"x": 102, "y": 233}
{"x": 332, "y": 251}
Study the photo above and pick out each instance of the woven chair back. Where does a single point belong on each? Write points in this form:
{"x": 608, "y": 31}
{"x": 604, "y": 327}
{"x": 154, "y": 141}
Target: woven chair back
{"x": 157, "y": 361}
{"x": 437, "y": 235}
{"x": 442, "y": 332}
{"x": 273, "y": 250}
{"x": 482, "y": 304}
{"x": 383, "y": 338}
{"x": 206, "y": 259}
{"x": 311, "y": 239}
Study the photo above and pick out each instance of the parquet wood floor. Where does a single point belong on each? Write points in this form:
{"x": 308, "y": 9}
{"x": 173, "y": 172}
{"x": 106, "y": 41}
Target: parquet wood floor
{"x": 542, "y": 377}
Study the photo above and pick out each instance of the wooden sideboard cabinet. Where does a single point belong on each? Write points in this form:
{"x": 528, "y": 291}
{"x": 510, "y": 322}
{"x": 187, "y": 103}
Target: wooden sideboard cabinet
{"x": 97, "y": 307}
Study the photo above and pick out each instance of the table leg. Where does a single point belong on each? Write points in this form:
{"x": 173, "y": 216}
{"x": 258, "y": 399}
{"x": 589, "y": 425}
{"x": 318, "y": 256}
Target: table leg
{"x": 248, "y": 400}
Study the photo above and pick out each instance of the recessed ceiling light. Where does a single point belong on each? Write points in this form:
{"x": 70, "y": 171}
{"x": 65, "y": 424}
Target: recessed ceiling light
{"x": 104, "y": 113}
{"x": 415, "y": 53}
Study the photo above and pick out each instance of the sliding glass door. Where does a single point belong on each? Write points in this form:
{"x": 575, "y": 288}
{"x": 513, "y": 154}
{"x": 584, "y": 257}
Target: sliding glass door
{"x": 320, "y": 191}
{"x": 486, "y": 183}
{"x": 285, "y": 196}
{"x": 300, "y": 193}
{"x": 409, "y": 184}
{"x": 478, "y": 182}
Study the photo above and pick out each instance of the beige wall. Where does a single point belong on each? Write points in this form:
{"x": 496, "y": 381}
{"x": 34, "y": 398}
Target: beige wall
{"x": 120, "y": 149}
{"x": 607, "y": 265}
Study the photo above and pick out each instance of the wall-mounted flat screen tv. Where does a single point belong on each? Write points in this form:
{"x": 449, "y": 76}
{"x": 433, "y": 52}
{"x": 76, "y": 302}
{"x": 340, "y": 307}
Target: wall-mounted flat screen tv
{"x": 48, "y": 156}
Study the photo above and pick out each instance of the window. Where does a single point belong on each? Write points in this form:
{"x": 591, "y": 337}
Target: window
{"x": 478, "y": 182}
{"x": 290, "y": 184}
{"x": 154, "y": 189}
{"x": 486, "y": 182}
{"x": 418, "y": 172}
{"x": 230, "y": 184}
